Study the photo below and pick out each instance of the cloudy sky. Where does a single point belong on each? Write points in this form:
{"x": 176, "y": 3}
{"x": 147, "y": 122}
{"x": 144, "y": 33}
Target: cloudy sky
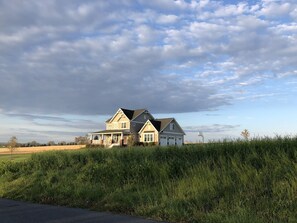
{"x": 216, "y": 66}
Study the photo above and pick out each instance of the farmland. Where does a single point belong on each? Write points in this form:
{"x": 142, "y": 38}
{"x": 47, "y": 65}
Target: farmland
{"x": 36, "y": 149}
{"x": 23, "y": 153}
{"x": 240, "y": 181}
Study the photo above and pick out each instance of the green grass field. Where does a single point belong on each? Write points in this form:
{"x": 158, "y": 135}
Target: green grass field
{"x": 242, "y": 181}
{"x": 15, "y": 157}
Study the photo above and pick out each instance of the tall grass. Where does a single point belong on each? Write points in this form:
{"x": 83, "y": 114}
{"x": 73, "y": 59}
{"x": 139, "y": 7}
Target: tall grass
{"x": 14, "y": 157}
{"x": 239, "y": 181}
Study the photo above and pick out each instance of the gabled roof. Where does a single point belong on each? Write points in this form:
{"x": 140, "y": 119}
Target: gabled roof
{"x": 131, "y": 114}
{"x": 164, "y": 122}
{"x": 108, "y": 119}
{"x": 159, "y": 124}
{"x": 156, "y": 124}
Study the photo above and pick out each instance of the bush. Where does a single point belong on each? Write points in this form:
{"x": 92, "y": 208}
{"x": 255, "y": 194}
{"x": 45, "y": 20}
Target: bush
{"x": 94, "y": 146}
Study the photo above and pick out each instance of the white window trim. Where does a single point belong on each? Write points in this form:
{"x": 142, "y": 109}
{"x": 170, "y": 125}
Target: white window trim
{"x": 121, "y": 124}
{"x": 152, "y": 134}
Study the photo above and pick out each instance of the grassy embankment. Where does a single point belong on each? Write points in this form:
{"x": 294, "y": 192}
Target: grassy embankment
{"x": 14, "y": 157}
{"x": 252, "y": 181}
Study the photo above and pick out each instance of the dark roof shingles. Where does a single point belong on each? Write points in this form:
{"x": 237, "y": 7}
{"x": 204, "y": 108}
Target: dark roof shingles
{"x": 131, "y": 114}
{"x": 138, "y": 112}
{"x": 164, "y": 122}
{"x": 156, "y": 124}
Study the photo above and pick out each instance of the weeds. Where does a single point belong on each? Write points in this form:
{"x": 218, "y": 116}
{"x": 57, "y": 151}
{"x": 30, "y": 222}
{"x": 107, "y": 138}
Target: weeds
{"x": 237, "y": 181}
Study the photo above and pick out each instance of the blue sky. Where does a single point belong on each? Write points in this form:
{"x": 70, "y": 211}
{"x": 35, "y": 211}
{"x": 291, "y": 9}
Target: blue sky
{"x": 216, "y": 66}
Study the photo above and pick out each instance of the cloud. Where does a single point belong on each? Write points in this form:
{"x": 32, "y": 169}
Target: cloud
{"x": 91, "y": 57}
{"x": 34, "y": 117}
{"x": 231, "y": 10}
{"x": 28, "y": 127}
{"x": 215, "y": 128}
{"x": 26, "y": 135}
{"x": 78, "y": 125}
{"x": 55, "y": 122}
{"x": 167, "y": 19}
{"x": 276, "y": 9}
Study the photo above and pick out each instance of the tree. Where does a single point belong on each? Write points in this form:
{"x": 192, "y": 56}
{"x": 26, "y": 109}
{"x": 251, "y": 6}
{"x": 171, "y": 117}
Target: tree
{"x": 12, "y": 145}
{"x": 81, "y": 140}
{"x": 51, "y": 143}
{"x": 245, "y": 134}
{"x": 34, "y": 143}
{"x": 62, "y": 143}
{"x": 131, "y": 141}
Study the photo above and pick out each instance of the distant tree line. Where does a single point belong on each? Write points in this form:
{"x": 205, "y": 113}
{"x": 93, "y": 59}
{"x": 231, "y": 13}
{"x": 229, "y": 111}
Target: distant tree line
{"x": 50, "y": 143}
{"x": 79, "y": 140}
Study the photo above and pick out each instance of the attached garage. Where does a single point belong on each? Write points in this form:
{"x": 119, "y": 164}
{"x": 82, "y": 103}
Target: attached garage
{"x": 163, "y": 141}
{"x": 171, "y": 141}
{"x": 179, "y": 140}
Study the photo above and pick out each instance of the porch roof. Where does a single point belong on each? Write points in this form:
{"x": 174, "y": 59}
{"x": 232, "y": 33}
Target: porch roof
{"x": 112, "y": 131}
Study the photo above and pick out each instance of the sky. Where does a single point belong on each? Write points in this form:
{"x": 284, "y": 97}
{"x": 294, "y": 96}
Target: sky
{"x": 218, "y": 67}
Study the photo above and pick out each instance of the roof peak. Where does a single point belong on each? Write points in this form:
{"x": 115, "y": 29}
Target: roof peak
{"x": 161, "y": 123}
{"x": 133, "y": 109}
{"x": 132, "y": 114}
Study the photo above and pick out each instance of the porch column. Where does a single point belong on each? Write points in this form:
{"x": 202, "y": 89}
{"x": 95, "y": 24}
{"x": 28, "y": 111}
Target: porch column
{"x": 100, "y": 139}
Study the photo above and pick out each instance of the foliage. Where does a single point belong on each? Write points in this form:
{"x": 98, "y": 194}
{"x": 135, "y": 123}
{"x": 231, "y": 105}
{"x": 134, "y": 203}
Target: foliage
{"x": 51, "y": 143}
{"x": 81, "y": 140}
{"x": 95, "y": 146}
{"x": 131, "y": 141}
{"x": 12, "y": 145}
{"x": 245, "y": 134}
{"x": 237, "y": 181}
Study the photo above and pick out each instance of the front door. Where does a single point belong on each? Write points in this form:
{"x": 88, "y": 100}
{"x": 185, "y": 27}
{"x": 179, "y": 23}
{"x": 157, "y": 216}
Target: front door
{"x": 115, "y": 138}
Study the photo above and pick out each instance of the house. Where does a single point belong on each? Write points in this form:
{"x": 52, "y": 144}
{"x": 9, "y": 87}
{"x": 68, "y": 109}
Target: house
{"x": 138, "y": 125}
{"x": 163, "y": 132}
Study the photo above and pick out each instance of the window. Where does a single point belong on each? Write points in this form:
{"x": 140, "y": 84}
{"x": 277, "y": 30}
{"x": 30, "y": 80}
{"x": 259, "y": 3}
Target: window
{"x": 171, "y": 126}
{"x": 123, "y": 125}
{"x": 96, "y": 138}
{"x": 148, "y": 137}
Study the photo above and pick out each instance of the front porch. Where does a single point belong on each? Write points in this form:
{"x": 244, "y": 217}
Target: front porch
{"x": 110, "y": 138}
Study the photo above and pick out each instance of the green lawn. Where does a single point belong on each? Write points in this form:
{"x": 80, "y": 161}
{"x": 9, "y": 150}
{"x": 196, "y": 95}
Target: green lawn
{"x": 229, "y": 182}
{"x": 15, "y": 157}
